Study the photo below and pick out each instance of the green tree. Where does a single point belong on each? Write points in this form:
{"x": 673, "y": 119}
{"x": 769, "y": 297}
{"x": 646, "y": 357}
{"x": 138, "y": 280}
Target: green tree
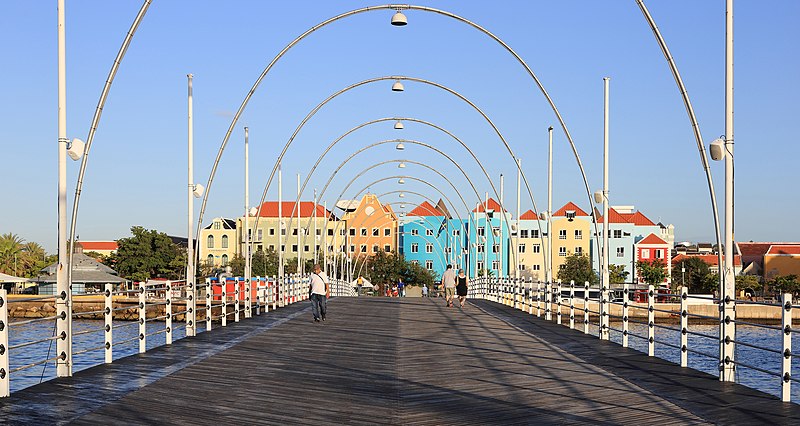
{"x": 744, "y": 282}
{"x": 34, "y": 259}
{"x": 577, "y": 267}
{"x": 695, "y": 275}
{"x": 652, "y": 272}
{"x": 786, "y": 284}
{"x": 10, "y": 253}
{"x": 617, "y": 274}
{"x": 149, "y": 254}
{"x": 264, "y": 263}
{"x": 488, "y": 272}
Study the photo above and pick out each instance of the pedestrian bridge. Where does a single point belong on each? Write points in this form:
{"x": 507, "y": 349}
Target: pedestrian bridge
{"x": 393, "y": 361}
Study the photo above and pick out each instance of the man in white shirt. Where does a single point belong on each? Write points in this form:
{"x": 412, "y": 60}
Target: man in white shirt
{"x": 320, "y": 291}
{"x": 449, "y": 284}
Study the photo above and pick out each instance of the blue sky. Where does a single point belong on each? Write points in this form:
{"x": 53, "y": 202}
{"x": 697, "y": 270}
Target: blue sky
{"x": 137, "y": 168}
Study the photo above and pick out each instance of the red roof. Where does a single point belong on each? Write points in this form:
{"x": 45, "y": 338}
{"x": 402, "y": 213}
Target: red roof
{"x": 652, "y": 239}
{"x": 270, "y": 209}
{"x": 613, "y": 216}
{"x": 570, "y": 206}
{"x": 492, "y": 204}
{"x": 528, "y": 215}
{"x": 783, "y": 249}
{"x": 425, "y": 209}
{"x": 710, "y": 259}
{"x": 637, "y": 218}
{"x": 98, "y": 245}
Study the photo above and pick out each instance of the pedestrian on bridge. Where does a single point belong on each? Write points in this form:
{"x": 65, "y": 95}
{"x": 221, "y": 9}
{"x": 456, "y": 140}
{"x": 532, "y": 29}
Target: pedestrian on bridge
{"x": 461, "y": 287}
{"x": 320, "y": 291}
{"x": 449, "y": 284}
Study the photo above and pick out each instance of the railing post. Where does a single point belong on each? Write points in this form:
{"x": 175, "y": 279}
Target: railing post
{"x": 248, "y": 306}
{"x": 224, "y": 292}
{"x": 168, "y": 313}
{"x": 684, "y": 326}
{"x": 538, "y": 299}
{"x": 571, "y": 304}
{"x": 651, "y": 325}
{"x": 548, "y": 296}
{"x": 236, "y": 285}
{"x": 626, "y": 298}
{"x": 258, "y": 295}
{"x": 586, "y": 307}
{"x": 558, "y": 303}
{"x": 209, "y": 292}
{"x": 5, "y": 375}
{"x": 605, "y": 307}
{"x": 786, "y": 362}
{"x": 142, "y": 320}
{"x": 108, "y": 326}
{"x": 191, "y": 307}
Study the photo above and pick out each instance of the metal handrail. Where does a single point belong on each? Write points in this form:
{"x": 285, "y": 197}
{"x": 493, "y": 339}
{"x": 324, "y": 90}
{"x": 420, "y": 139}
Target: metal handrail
{"x": 23, "y": 367}
{"x": 31, "y": 321}
{"x": 767, "y": 326}
{"x": 34, "y": 342}
{"x": 89, "y": 350}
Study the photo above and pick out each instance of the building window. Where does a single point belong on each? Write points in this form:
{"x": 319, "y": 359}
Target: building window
{"x": 579, "y": 250}
{"x": 294, "y": 231}
{"x": 481, "y": 231}
{"x": 562, "y": 234}
{"x": 523, "y": 233}
{"x": 428, "y": 248}
{"x": 481, "y": 248}
{"x": 387, "y": 232}
{"x": 415, "y": 262}
{"x": 224, "y": 260}
{"x": 210, "y": 240}
{"x": 387, "y": 248}
{"x": 578, "y": 234}
{"x": 617, "y": 233}
{"x": 210, "y": 259}
{"x": 260, "y": 234}
{"x": 376, "y": 232}
{"x": 330, "y": 232}
{"x": 375, "y": 249}
{"x": 318, "y": 231}
{"x": 536, "y": 267}
{"x": 429, "y": 232}
{"x": 316, "y": 247}
{"x": 352, "y": 248}
{"x": 521, "y": 248}
{"x": 429, "y": 265}
{"x": 620, "y": 251}
{"x": 217, "y": 225}
{"x": 283, "y": 247}
{"x": 294, "y": 248}
{"x": 521, "y": 267}
{"x": 342, "y": 232}
{"x": 271, "y": 231}
{"x": 414, "y": 247}
{"x": 534, "y": 233}
{"x": 480, "y": 265}
{"x": 659, "y": 254}
{"x": 352, "y": 232}
{"x": 363, "y": 248}
{"x": 562, "y": 251}
{"x": 645, "y": 253}
{"x": 495, "y": 248}
{"x": 415, "y": 232}
{"x": 272, "y": 247}
{"x": 456, "y": 232}
{"x": 224, "y": 241}
{"x": 283, "y": 231}
{"x": 496, "y": 265}
{"x": 363, "y": 232}
{"x": 306, "y": 248}
{"x": 536, "y": 248}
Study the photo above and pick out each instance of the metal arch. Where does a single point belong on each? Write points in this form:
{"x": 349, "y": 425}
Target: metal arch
{"x": 336, "y": 171}
{"x": 419, "y": 80}
{"x": 93, "y": 129}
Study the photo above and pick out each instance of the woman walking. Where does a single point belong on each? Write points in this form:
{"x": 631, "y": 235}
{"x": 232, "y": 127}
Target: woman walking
{"x": 461, "y": 287}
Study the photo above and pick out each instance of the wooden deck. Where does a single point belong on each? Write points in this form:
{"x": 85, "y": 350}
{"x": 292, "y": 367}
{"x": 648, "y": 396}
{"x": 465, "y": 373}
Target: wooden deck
{"x": 393, "y": 361}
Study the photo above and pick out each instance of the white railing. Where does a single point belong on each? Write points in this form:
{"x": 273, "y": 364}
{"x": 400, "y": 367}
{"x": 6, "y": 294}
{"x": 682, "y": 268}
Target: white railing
{"x": 156, "y": 308}
{"x": 644, "y": 308}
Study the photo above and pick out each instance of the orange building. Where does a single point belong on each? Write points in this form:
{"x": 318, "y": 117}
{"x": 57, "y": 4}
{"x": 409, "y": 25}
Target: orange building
{"x": 370, "y": 226}
{"x": 782, "y": 260}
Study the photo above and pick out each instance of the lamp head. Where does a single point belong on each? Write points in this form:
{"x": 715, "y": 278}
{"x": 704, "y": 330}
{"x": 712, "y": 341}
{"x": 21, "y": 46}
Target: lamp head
{"x": 399, "y": 20}
{"x": 398, "y": 86}
{"x": 400, "y": 146}
{"x": 402, "y": 165}
{"x": 75, "y": 149}
{"x": 598, "y": 197}
{"x": 198, "y": 190}
{"x": 402, "y": 195}
{"x": 401, "y": 181}
{"x": 253, "y": 211}
{"x": 717, "y": 149}
{"x": 399, "y": 125}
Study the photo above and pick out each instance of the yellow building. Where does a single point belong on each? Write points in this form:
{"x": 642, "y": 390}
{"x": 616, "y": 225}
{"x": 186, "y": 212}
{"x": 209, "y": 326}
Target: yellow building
{"x": 570, "y": 234}
{"x": 218, "y": 242}
{"x": 531, "y": 243}
{"x": 781, "y": 260}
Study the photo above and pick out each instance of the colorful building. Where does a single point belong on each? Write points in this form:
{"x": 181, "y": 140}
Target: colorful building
{"x": 532, "y": 242}
{"x": 489, "y": 241}
{"x": 370, "y": 227}
{"x": 218, "y": 242}
{"x": 782, "y": 260}
{"x": 626, "y": 228}
{"x": 651, "y": 248}
{"x": 570, "y": 235}
{"x": 426, "y": 238}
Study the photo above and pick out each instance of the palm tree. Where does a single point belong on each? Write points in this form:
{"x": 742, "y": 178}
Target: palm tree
{"x": 34, "y": 258}
{"x": 10, "y": 252}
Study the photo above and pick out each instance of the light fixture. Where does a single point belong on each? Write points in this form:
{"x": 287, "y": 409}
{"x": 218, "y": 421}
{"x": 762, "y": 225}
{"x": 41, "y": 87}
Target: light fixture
{"x": 399, "y": 125}
{"x": 598, "y": 197}
{"x": 398, "y": 86}
{"x": 717, "y": 149}
{"x": 402, "y": 165}
{"x": 75, "y": 149}
{"x": 198, "y": 190}
{"x": 399, "y": 20}
{"x": 253, "y": 211}
{"x": 401, "y": 181}
{"x": 402, "y": 206}
{"x": 402, "y": 195}
{"x": 400, "y": 146}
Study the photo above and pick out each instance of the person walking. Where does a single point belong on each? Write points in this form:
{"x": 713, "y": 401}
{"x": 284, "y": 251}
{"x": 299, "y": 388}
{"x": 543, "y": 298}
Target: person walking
{"x": 425, "y": 290}
{"x": 320, "y": 291}
{"x": 461, "y": 287}
{"x": 449, "y": 284}
{"x": 401, "y": 287}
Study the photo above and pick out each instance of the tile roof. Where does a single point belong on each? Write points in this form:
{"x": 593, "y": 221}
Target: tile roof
{"x": 270, "y": 209}
{"x": 528, "y": 215}
{"x": 492, "y": 205}
{"x": 637, "y": 218}
{"x": 425, "y": 209}
{"x": 779, "y": 249}
{"x": 570, "y": 206}
{"x": 652, "y": 239}
{"x": 97, "y": 245}
{"x": 710, "y": 259}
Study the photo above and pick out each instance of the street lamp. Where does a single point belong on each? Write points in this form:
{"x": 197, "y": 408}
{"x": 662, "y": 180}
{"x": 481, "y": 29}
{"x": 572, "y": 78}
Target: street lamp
{"x": 398, "y": 86}
{"x": 402, "y": 165}
{"x": 399, "y": 125}
{"x": 399, "y": 20}
{"x": 400, "y": 146}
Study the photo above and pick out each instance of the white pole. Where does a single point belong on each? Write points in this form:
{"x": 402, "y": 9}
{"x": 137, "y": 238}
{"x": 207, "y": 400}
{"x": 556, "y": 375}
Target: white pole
{"x": 315, "y": 239}
{"x": 63, "y": 300}
{"x": 247, "y": 258}
{"x": 486, "y": 230}
{"x": 502, "y": 220}
{"x": 549, "y": 248}
{"x": 516, "y": 244}
{"x": 729, "y": 291}
{"x": 191, "y": 329}
{"x": 297, "y": 208}
{"x": 325, "y": 237}
{"x": 604, "y": 308}
{"x": 280, "y": 224}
